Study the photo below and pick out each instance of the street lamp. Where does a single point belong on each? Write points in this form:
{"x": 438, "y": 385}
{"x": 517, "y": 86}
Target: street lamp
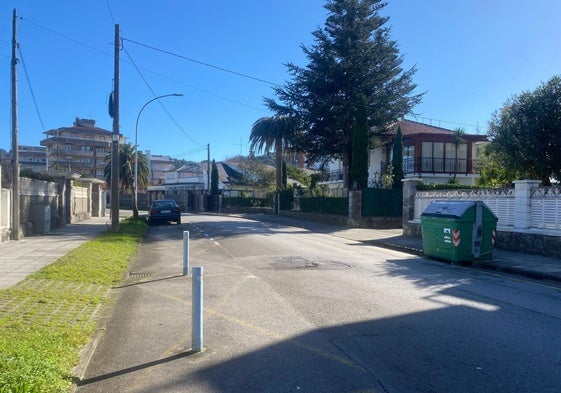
{"x": 136, "y": 142}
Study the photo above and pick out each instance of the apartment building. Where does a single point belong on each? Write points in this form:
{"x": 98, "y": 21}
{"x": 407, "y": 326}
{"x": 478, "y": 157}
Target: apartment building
{"x": 79, "y": 149}
{"x": 158, "y": 166}
{"x": 32, "y": 157}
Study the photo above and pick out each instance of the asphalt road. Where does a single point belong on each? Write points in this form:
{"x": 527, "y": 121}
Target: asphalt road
{"x": 289, "y": 309}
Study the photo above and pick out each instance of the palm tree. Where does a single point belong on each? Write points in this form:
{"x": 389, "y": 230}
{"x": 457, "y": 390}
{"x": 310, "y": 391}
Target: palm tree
{"x": 126, "y": 172}
{"x": 459, "y": 134}
{"x": 277, "y": 131}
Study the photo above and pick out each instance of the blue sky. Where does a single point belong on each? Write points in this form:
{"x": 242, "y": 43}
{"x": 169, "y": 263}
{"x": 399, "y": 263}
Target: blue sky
{"x": 471, "y": 55}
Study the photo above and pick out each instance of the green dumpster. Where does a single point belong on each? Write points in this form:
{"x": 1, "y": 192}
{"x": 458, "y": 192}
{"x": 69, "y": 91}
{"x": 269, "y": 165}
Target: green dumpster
{"x": 459, "y": 231}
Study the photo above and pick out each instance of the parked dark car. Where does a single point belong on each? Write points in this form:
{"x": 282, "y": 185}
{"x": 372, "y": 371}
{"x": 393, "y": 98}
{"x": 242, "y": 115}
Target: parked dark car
{"x": 164, "y": 210}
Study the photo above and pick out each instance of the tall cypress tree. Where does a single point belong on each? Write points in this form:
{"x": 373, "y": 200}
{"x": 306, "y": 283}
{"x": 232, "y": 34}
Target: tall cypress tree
{"x": 284, "y": 176}
{"x": 397, "y": 159}
{"x": 214, "y": 179}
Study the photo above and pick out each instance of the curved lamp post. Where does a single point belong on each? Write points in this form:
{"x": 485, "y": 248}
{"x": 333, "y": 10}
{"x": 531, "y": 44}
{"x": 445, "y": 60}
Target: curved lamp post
{"x": 136, "y": 142}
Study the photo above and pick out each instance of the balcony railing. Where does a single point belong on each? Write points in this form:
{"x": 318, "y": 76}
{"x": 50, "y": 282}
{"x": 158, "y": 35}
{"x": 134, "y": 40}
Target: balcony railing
{"x": 336, "y": 175}
{"x": 465, "y": 166}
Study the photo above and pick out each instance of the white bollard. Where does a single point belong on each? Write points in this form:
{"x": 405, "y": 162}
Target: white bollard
{"x": 185, "y": 253}
{"x": 197, "y": 310}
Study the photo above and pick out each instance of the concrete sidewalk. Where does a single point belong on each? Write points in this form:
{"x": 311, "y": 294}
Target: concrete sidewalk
{"x": 19, "y": 258}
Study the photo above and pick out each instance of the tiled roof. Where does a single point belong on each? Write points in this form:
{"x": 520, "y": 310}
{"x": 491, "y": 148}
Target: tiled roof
{"x": 409, "y": 127}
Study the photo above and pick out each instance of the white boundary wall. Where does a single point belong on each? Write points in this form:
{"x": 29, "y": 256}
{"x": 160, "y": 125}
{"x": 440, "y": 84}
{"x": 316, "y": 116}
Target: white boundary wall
{"x": 526, "y": 207}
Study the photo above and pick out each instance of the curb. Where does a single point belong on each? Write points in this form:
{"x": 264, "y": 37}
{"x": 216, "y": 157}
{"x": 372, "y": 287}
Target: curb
{"x": 532, "y": 274}
{"x": 399, "y": 247}
{"x": 521, "y": 272}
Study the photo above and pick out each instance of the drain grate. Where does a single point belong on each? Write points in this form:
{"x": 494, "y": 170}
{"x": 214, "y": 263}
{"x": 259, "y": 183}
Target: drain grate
{"x": 138, "y": 274}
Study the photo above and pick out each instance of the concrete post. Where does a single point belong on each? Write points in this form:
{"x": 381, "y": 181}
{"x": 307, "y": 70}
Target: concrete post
{"x": 409, "y": 191}
{"x": 185, "y": 253}
{"x": 522, "y": 199}
{"x": 197, "y": 310}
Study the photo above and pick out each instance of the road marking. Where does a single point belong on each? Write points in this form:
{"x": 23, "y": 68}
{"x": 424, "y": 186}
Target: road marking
{"x": 280, "y": 337}
{"x": 264, "y": 331}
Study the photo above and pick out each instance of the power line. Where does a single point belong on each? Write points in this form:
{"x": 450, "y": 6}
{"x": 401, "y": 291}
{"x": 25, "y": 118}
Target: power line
{"x": 189, "y": 152}
{"x": 31, "y": 88}
{"x": 110, "y": 12}
{"x": 160, "y": 102}
{"x": 202, "y": 63}
{"x": 439, "y": 121}
{"x": 67, "y": 37}
{"x": 205, "y": 91}
{"x": 148, "y": 70}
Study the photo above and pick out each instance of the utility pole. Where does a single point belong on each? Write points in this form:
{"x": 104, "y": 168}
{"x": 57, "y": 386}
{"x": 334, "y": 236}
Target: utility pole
{"x": 15, "y": 147}
{"x": 115, "y": 143}
{"x": 208, "y": 168}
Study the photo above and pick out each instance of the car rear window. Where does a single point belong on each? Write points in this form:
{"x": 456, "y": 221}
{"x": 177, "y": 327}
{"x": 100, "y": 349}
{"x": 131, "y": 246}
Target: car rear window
{"x": 164, "y": 204}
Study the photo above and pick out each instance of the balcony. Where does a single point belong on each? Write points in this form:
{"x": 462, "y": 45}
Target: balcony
{"x": 434, "y": 165}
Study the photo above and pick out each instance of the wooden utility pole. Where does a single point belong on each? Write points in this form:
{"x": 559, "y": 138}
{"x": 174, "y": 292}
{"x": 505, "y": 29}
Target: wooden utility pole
{"x": 115, "y": 143}
{"x": 208, "y": 168}
{"x": 15, "y": 146}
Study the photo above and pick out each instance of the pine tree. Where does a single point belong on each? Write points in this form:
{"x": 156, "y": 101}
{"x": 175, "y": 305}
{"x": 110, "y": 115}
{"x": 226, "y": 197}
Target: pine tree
{"x": 353, "y": 56}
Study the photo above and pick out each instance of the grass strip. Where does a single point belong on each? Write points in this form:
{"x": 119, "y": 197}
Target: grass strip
{"x": 46, "y": 319}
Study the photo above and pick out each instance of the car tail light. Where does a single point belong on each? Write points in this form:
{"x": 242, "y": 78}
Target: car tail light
{"x": 153, "y": 211}
{"x": 176, "y": 210}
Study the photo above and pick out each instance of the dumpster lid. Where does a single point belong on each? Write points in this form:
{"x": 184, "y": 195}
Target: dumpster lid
{"x": 451, "y": 209}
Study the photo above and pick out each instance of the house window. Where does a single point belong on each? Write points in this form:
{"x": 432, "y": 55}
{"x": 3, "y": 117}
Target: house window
{"x": 409, "y": 159}
{"x": 432, "y": 157}
{"x": 439, "y": 157}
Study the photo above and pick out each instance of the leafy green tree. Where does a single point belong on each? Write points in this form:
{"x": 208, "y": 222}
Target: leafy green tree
{"x": 255, "y": 174}
{"x": 29, "y": 173}
{"x": 397, "y": 160}
{"x": 492, "y": 172}
{"x": 276, "y": 131}
{"x": 359, "y": 162}
{"x": 351, "y": 57}
{"x": 298, "y": 174}
{"x": 526, "y": 133}
{"x": 126, "y": 171}
{"x": 214, "y": 179}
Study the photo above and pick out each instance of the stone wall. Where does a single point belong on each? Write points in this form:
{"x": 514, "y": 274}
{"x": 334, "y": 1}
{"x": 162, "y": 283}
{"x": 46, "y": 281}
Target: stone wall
{"x": 5, "y": 214}
{"x": 531, "y": 243}
{"x": 38, "y": 206}
{"x": 48, "y": 205}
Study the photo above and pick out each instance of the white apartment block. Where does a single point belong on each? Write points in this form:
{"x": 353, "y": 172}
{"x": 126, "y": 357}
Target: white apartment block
{"x": 79, "y": 149}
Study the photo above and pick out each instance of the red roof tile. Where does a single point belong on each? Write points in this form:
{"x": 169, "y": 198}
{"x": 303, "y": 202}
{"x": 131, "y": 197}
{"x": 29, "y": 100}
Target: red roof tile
{"x": 409, "y": 127}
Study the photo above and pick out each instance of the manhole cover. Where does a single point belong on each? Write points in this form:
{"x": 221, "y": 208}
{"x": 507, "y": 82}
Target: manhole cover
{"x": 301, "y": 263}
